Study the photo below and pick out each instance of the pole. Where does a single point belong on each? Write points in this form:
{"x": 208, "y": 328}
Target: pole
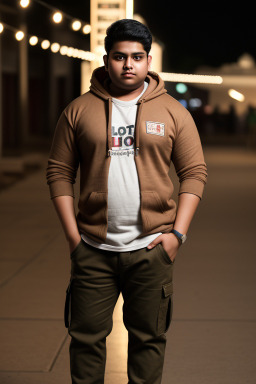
{"x": 1, "y": 115}
{"x": 23, "y": 87}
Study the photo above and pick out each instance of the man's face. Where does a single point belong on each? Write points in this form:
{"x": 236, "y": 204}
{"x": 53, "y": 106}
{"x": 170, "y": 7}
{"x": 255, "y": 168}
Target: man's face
{"x": 127, "y": 65}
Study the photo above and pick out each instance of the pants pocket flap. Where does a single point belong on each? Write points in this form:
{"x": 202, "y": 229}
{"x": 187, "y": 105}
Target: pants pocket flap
{"x": 167, "y": 289}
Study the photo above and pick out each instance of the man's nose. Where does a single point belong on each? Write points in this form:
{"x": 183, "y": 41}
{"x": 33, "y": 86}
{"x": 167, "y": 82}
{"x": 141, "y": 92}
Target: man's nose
{"x": 128, "y": 62}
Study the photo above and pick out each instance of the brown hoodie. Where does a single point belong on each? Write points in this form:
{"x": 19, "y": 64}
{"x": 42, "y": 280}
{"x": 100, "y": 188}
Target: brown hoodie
{"x": 83, "y": 137}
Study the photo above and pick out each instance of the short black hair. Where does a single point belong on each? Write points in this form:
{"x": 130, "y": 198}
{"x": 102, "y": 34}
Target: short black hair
{"x": 128, "y": 30}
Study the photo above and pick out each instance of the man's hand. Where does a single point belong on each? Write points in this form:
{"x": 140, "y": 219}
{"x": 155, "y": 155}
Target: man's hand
{"x": 169, "y": 242}
{"x": 187, "y": 206}
{"x": 73, "y": 243}
{"x": 64, "y": 206}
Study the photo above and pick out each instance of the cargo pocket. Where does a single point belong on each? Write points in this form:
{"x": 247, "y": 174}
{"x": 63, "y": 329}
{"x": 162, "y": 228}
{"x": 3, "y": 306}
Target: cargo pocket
{"x": 165, "y": 309}
{"x": 67, "y": 305}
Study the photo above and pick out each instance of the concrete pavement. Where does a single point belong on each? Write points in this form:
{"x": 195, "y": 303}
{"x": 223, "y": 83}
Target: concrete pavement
{"x": 212, "y": 338}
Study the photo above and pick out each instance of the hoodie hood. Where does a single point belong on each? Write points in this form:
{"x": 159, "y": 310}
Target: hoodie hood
{"x": 99, "y": 86}
{"x": 100, "y": 81}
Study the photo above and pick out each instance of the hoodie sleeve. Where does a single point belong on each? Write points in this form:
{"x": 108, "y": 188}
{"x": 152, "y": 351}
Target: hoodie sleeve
{"x": 188, "y": 159}
{"x": 63, "y": 159}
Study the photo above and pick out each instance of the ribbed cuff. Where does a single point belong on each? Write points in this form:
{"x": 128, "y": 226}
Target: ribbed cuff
{"x": 61, "y": 188}
{"x": 193, "y": 186}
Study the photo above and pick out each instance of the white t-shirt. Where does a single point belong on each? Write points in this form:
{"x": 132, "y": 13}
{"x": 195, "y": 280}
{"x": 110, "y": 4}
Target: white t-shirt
{"x": 124, "y": 219}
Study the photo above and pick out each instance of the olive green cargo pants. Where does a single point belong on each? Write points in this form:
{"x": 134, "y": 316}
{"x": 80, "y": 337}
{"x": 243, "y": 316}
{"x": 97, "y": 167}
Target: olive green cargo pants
{"x": 144, "y": 277}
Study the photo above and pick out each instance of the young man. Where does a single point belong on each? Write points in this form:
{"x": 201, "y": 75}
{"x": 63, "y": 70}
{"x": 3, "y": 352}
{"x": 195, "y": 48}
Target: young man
{"x": 124, "y": 133}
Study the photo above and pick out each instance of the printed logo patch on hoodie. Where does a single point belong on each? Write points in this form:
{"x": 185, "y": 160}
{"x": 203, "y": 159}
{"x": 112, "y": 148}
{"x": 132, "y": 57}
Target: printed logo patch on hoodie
{"x": 155, "y": 128}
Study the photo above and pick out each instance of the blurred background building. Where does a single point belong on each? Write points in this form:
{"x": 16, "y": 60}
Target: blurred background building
{"x": 36, "y": 83}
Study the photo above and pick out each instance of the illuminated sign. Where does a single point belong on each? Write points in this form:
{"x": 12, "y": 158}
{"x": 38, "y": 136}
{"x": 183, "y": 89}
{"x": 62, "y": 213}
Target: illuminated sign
{"x": 104, "y": 13}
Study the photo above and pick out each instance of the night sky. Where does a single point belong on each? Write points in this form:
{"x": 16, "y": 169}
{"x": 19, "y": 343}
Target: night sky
{"x": 200, "y": 33}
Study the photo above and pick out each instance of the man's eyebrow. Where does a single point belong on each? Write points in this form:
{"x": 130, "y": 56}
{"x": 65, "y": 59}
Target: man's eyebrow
{"x": 124, "y": 54}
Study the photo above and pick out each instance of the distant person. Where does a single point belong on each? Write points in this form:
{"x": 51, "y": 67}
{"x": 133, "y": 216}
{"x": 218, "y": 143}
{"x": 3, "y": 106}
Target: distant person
{"x": 124, "y": 133}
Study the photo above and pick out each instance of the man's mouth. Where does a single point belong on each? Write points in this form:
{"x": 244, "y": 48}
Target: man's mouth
{"x": 128, "y": 74}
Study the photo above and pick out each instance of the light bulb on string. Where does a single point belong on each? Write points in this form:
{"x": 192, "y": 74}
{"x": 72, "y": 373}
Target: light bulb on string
{"x": 75, "y": 53}
{"x": 63, "y": 50}
{"x": 45, "y": 44}
{"x": 19, "y": 35}
{"x": 57, "y": 17}
{"x": 89, "y": 56}
{"x": 76, "y": 25}
{"x": 1, "y": 27}
{"x": 70, "y": 51}
{"x": 33, "y": 40}
{"x": 24, "y": 3}
{"x": 55, "y": 47}
{"x": 87, "y": 29}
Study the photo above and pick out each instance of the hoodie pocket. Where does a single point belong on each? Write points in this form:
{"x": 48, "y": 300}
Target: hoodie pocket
{"x": 152, "y": 211}
{"x": 95, "y": 203}
{"x": 93, "y": 213}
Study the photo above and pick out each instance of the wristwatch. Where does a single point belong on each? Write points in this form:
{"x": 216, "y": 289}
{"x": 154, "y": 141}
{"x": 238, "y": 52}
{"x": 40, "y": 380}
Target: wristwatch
{"x": 182, "y": 238}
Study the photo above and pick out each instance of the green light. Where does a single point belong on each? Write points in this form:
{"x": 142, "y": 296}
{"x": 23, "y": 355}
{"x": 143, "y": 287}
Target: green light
{"x": 181, "y": 88}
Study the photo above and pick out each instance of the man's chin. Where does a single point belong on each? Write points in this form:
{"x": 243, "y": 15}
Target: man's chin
{"x": 126, "y": 86}
{"x": 129, "y": 85}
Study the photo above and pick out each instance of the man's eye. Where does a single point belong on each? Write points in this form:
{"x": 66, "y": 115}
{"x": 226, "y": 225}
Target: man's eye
{"x": 119, "y": 57}
{"x": 137, "y": 58}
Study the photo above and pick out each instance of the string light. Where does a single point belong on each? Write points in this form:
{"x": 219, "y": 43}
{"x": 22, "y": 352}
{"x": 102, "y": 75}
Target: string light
{"x": 57, "y": 17}
{"x": 87, "y": 29}
{"x": 19, "y": 35}
{"x": 45, "y": 44}
{"x": 24, "y": 3}
{"x": 55, "y": 47}
{"x": 70, "y": 52}
{"x": 76, "y": 25}
{"x": 75, "y": 53}
{"x": 33, "y": 40}
{"x": 63, "y": 50}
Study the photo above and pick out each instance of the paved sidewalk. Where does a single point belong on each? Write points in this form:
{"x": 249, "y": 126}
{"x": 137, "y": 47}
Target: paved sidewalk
{"x": 212, "y": 339}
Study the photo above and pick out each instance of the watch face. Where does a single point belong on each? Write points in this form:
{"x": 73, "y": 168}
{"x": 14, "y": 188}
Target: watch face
{"x": 183, "y": 238}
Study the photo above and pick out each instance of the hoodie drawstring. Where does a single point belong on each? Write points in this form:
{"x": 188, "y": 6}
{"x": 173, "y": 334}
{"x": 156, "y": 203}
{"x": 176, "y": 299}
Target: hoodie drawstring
{"x": 137, "y": 130}
{"x": 109, "y": 128}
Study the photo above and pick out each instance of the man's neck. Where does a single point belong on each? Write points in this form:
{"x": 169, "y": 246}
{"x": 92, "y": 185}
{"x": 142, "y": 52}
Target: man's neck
{"x": 123, "y": 94}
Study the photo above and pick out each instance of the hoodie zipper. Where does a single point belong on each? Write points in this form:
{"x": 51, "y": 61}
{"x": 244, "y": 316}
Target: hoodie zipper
{"x": 137, "y": 131}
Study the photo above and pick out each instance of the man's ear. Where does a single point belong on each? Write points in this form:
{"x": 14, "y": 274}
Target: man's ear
{"x": 105, "y": 59}
{"x": 149, "y": 62}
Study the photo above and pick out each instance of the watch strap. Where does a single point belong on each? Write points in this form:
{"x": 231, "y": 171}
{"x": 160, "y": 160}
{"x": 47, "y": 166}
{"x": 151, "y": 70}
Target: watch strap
{"x": 181, "y": 237}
